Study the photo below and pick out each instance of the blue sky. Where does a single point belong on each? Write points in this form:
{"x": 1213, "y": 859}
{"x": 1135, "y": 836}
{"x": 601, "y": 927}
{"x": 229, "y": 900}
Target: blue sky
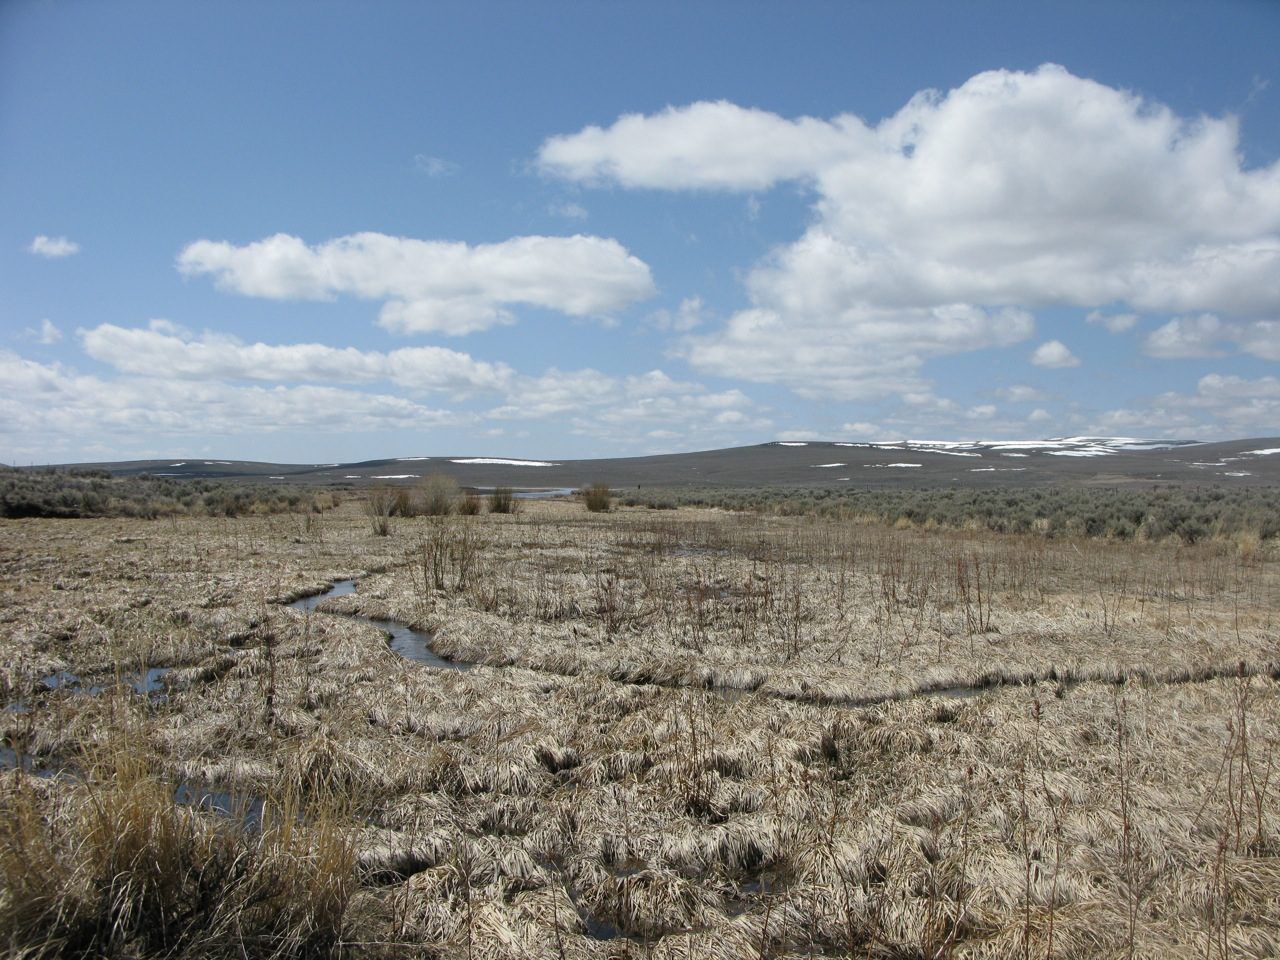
{"x": 312, "y": 232}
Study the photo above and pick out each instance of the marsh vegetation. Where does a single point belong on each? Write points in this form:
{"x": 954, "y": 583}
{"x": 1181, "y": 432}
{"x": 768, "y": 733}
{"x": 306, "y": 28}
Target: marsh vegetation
{"x": 689, "y": 733}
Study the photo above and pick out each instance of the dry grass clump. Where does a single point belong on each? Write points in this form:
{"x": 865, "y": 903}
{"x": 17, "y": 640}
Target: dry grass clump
{"x": 503, "y": 500}
{"x": 379, "y": 506}
{"x": 107, "y": 864}
{"x": 597, "y": 497}
{"x": 438, "y": 496}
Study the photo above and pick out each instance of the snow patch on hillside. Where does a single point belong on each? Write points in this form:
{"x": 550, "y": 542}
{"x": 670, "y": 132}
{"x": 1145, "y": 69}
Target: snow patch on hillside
{"x": 500, "y": 461}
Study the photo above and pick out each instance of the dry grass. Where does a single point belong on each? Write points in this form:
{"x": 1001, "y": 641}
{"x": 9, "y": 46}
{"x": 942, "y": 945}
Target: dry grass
{"x": 1111, "y": 791}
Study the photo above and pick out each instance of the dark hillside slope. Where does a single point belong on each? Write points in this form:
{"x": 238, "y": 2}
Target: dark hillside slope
{"x": 903, "y": 465}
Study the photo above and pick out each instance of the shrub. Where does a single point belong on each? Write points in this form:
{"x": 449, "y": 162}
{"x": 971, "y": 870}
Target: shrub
{"x": 598, "y": 497}
{"x": 502, "y": 500}
{"x": 379, "y": 506}
{"x": 402, "y": 505}
{"x": 469, "y": 505}
{"x": 438, "y": 496}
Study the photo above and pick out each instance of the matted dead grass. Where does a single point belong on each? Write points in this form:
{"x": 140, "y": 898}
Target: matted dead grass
{"x": 701, "y": 735}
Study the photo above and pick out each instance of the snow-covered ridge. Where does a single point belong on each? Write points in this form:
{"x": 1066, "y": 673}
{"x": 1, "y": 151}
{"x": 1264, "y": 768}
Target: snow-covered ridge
{"x": 1056, "y": 446}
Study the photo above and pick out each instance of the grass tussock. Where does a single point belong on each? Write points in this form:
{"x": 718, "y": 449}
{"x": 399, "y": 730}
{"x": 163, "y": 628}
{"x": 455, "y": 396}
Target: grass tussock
{"x": 597, "y": 497}
{"x": 108, "y": 865}
{"x": 503, "y": 500}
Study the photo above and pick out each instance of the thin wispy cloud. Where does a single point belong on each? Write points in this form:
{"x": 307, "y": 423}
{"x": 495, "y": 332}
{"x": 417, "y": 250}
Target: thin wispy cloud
{"x": 53, "y": 248}
{"x": 47, "y": 334}
{"x": 434, "y": 166}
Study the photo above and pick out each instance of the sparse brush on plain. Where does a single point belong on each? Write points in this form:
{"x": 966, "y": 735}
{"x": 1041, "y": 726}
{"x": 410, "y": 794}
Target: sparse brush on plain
{"x": 56, "y": 492}
{"x": 1185, "y": 514}
{"x": 597, "y": 497}
{"x": 470, "y": 505}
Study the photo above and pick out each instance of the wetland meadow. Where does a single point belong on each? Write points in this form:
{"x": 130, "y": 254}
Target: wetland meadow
{"x": 687, "y": 733}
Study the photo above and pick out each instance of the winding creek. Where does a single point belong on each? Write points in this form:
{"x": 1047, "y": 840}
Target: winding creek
{"x": 402, "y": 638}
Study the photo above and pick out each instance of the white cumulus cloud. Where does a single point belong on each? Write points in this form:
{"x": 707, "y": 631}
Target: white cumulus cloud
{"x": 432, "y": 286}
{"x": 159, "y": 351}
{"x": 1021, "y": 393}
{"x": 1014, "y": 191}
{"x": 614, "y": 408}
{"x": 856, "y": 353}
{"x": 1055, "y": 355}
{"x": 1221, "y": 406}
{"x": 704, "y": 145}
{"x": 1203, "y": 336}
{"x": 45, "y": 406}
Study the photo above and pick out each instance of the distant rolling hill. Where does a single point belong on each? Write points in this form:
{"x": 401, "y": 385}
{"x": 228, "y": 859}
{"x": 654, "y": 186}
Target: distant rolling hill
{"x": 1107, "y": 461}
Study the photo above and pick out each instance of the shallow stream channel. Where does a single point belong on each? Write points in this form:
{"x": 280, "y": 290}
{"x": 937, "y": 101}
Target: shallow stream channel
{"x": 403, "y": 639}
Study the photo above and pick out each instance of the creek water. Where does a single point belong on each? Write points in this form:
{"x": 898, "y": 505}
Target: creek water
{"x": 402, "y": 639}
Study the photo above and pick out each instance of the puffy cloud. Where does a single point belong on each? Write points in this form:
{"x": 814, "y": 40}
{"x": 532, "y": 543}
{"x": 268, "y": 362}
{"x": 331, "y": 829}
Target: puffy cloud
{"x": 861, "y": 429}
{"x": 1222, "y": 405}
{"x": 1216, "y": 387}
{"x": 859, "y": 353}
{"x": 1261, "y": 338}
{"x": 1013, "y": 191}
{"x": 159, "y": 350}
{"x": 53, "y": 247}
{"x": 45, "y": 404}
{"x": 1021, "y": 393}
{"x": 1185, "y": 337}
{"x": 703, "y": 146}
{"x": 1055, "y": 355}
{"x": 1202, "y": 336}
{"x": 432, "y": 286}
{"x": 615, "y": 408}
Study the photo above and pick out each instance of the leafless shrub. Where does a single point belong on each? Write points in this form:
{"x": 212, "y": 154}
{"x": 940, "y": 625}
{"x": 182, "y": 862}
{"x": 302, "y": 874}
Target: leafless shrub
{"x": 502, "y": 500}
{"x": 438, "y": 495}
{"x": 378, "y": 507}
{"x": 597, "y": 497}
